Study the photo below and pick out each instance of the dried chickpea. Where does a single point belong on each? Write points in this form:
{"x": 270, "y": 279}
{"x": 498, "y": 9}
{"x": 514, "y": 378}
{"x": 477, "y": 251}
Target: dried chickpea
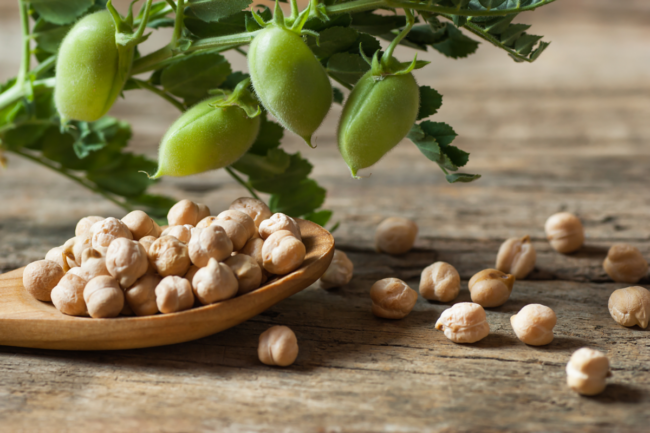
{"x": 587, "y": 371}
{"x": 189, "y": 275}
{"x": 395, "y": 235}
{"x": 67, "y": 252}
{"x": 56, "y": 255}
{"x": 141, "y": 296}
{"x": 174, "y": 294}
{"x": 84, "y": 224}
{"x": 625, "y": 264}
{"x": 338, "y": 273}
{"x": 104, "y": 297}
{"x": 277, "y": 222}
{"x": 215, "y": 282}
{"x": 392, "y": 298}
{"x": 440, "y": 282}
{"x": 93, "y": 264}
{"x": 204, "y": 211}
{"x": 283, "y": 253}
{"x": 630, "y": 306}
{"x": 490, "y": 287}
{"x": 182, "y": 233}
{"x": 68, "y": 296}
{"x": 238, "y": 226}
{"x": 169, "y": 256}
{"x": 146, "y": 242}
{"x": 278, "y": 345}
{"x": 247, "y": 271}
{"x": 565, "y": 232}
{"x": 206, "y": 222}
{"x": 140, "y": 224}
{"x": 465, "y": 322}
{"x": 105, "y": 231}
{"x": 40, "y": 277}
{"x": 187, "y": 212}
{"x": 534, "y": 324}
{"x": 126, "y": 261}
{"x": 256, "y": 209}
{"x": 207, "y": 243}
{"x": 516, "y": 256}
{"x": 253, "y": 248}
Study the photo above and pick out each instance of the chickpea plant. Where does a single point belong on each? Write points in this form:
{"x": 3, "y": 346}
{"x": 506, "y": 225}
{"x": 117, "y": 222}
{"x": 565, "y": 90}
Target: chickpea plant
{"x": 299, "y": 63}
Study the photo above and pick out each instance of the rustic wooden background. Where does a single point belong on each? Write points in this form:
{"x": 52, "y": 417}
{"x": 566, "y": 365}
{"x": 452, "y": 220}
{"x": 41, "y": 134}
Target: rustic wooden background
{"x": 569, "y": 132}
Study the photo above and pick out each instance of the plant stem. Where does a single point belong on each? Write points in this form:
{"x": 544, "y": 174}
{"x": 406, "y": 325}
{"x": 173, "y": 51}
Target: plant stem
{"x": 13, "y": 94}
{"x": 241, "y": 181}
{"x": 227, "y": 42}
{"x": 178, "y": 23}
{"x": 27, "y": 52}
{"x": 166, "y": 96}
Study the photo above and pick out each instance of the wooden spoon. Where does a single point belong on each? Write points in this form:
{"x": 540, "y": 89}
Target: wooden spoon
{"x": 26, "y": 322}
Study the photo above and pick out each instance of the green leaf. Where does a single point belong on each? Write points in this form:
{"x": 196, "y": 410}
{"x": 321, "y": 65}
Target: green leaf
{"x": 462, "y": 177}
{"x": 376, "y": 25}
{"x": 274, "y": 163}
{"x": 332, "y": 40}
{"x": 49, "y": 36}
{"x": 268, "y": 138}
{"x": 61, "y": 11}
{"x": 24, "y": 135}
{"x": 340, "y": 20}
{"x": 321, "y": 217}
{"x": 298, "y": 169}
{"x": 234, "y": 79}
{"x": 443, "y": 133}
{"x": 433, "y": 140}
{"x": 303, "y": 199}
{"x": 235, "y": 23}
{"x": 337, "y": 95}
{"x": 430, "y": 102}
{"x": 192, "y": 77}
{"x": 491, "y": 4}
{"x": 456, "y": 45}
{"x": 514, "y": 31}
{"x": 524, "y": 45}
{"x": 214, "y": 10}
{"x": 127, "y": 178}
{"x": 347, "y": 67}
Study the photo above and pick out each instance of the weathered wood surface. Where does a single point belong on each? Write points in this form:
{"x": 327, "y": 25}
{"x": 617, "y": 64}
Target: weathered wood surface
{"x": 568, "y": 132}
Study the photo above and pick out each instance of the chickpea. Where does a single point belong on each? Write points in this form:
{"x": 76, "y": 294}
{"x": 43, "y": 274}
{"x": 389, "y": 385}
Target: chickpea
{"x": 182, "y": 233}
{"x": 206, "y": 222}
{"x": 67, "y": 254}
{"x": 440, "y": 282}
{"x": 630, "y": 306}
{"x": 169, "y": 256}
{"x": 565, "y": 232}
{"x": 187, "y": 212}
{"x": 207, "y": 243}
{"x": 146, "y": 242}
{"x": 282, "y": 253}
{"x": 126, "y": 261}
{"x": 625, "y": 264}
{"x": 516, "y": 256}
{"x": 534, "y": 324}
{"x": 189, "y": 275}
{"x": 84, "y": 224}
{"x": 277, "y": 222}
{"x": 465, "y": 322}
{"x": 256, "y": 209}
{"x": 141, "y": 225}
{"x": 247, "y": 271}
{"x": 141, "y": 296}
{"x": 392, "y": 298}
{"x": 239, "y": 227}
{"x": 74, "y": 248}
{"x": 56, "y": 255}
{"x": 215, "y": 282}
{"x": 105, "y": 231}
{"x": 491, "y": 288}
{"x": 68, "y": 296}
{"x": 587, "y": 371}
{"x": 253, "y": 248}
{"x": 93, "y": 264}
{"x": 395, "y": 235}
{"x": 338, "y": 273}
{"x": 278, "y": 345}
{"x": 40, "y": 277}
{"x": 174, "y": 294}
{"x": 104, "y": 297}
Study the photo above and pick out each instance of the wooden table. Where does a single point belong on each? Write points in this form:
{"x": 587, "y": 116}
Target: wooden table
{"x": 569, "y": 132}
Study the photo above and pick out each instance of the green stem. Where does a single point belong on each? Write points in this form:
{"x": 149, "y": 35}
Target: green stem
{"x": 15, "y": 93}
{"x": 478, "y": 31}
{"x": 152, "y": 60}
{"x": 178, "y": 23}
{"x": 241, "y": 181}
{"x": 27, "y": 52}
{"x": 410, "y": 20}
{"x": 43, "y": 67}
{"x": 294, "y": 10}
{"x": 226, "y": 42}
{"x": 166, "y": 96}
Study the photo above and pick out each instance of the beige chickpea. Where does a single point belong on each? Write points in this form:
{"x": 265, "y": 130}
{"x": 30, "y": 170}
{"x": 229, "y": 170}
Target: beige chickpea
{"x": 105, "y": 231}
{"x": 169, "y": 256}
{"x": 491, "y": 288}
{"x": 207, "y": 243}
{"x": 215, "y": 282}
{"x": 395, "y": 235}
{"x": 253, "y": 248}
{"x": 68, "y": 296}
{"x": 40, "y": 277}
{"x": 392, "y": 298}
{"x": 630, "y": 306}
{"x": 56, "y": 255}
{"x": 256, "y": 209}
{"x": 277, "y": 222}
{"x": 625, "y": 264}
{"x": 338, "y": 273}
{"x": 141, "y": 296}
{"x": 187, "y": 212}
{"x": 238, "y": 226}
{"x": 587, "y": 371}
{"x": 93, "y": 264}
{"x": 534, "y": 324}
{"x": 565, "y": 232}
{"x": 282, "y": 253}
{"x": 146, "y": 242}
{"x": 104, "y": 297}
{"x": 278, "y": 345}
{"x": 189, "y": 275}
{"x": 126, "y": 261}
{"x": 67, "y": 252}
{"x": 84, "y": 225}
{"x": 440, "y": 282}
{"x": 74, "y": 248}
{"x": 174, "y": 294}
{"x": 247, "y": 271}
{"x": 182, "y": 233}
{"x": 140, "y": 224}
{"x": 465, "y": 322}
{"x": 206, "y": 222}
{"x": 517, "y": 256}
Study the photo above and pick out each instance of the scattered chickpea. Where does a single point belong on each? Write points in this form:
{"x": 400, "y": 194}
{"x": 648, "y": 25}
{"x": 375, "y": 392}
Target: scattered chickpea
{"x": 68, "y": 296}
{"x": 625, "y": 264}
{"x": 206, "y": 222}
{"x": 247, "y": 271}
{"x": 277, "y": 222}
{"x": 491, "y": 288}
{"x": 84, "y": 225}
{"x": 256, "y": 209}
{"x": 630, "y": 306}
{"x": 169, "y": 256}
{"x": 141, "y": 225}
{"x": 516, "y": 256}
{"x": 174, "y": 294}
{"x": 104, "y": 297}
{"x": 213, "y": 283}
{"x": 587, "y": 371}
{"x": 187, "y": 212}
{"x": 465, "y": 322}
{"x": 338, "y": 273}
{"x": 105, "y": 231}
{"x": 253, "y": 248}
{"x": 392, "y": 298}
{"x": 278, "y": 345}
{"x": 395, "y": 235}
{"x": 126, "y": 261}
{"x": 207, "y": 243}
{"x": 282, "y": 253}
{"x": 440, "y": 282}
{"x": 534, "y": 324}
{"x": 141, "y": 296}
{"x": 182, "y": 233}
{"x": 40, "y": 277}
{"x": 565, "y": 232}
